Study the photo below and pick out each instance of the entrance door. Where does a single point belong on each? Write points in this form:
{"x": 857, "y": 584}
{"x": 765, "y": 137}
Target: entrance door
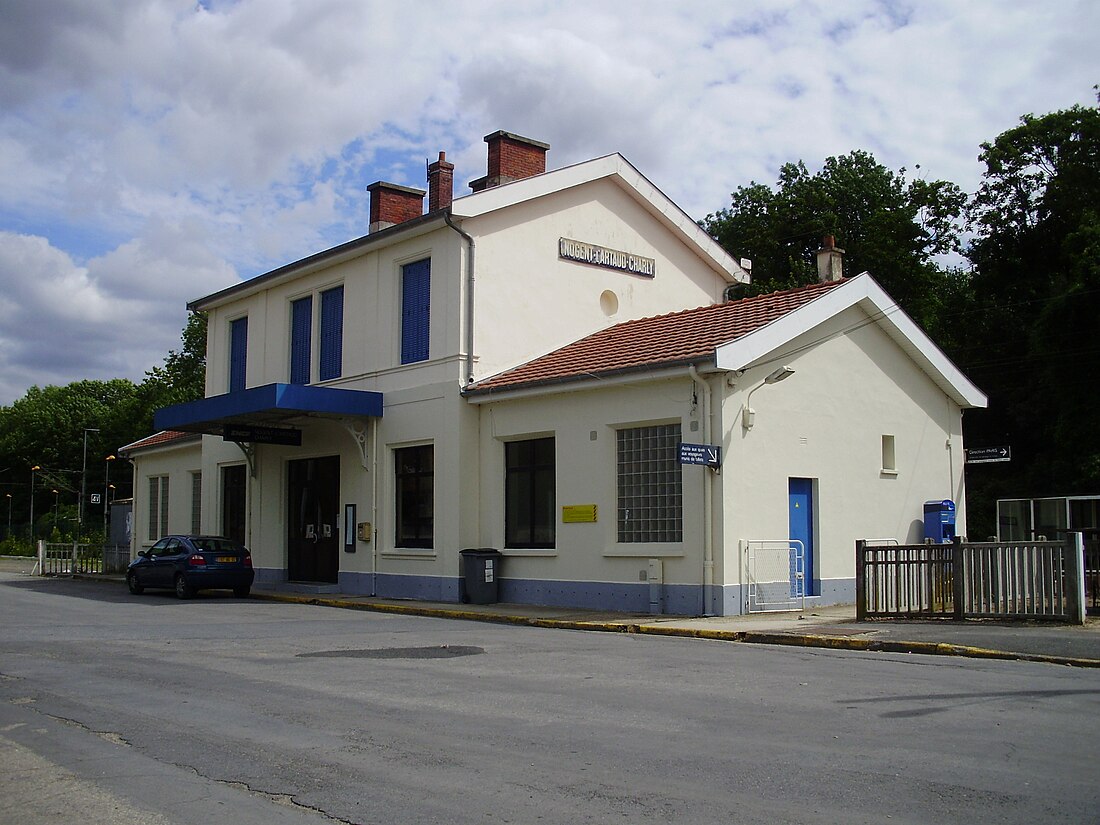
{"x": 313, "y": 510}
{"x": 234, "y": 489}
{"x": 801, "y": 505}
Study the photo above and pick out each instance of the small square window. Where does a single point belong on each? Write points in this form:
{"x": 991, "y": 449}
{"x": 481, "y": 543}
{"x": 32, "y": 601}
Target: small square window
{"x": 889, "y": 457}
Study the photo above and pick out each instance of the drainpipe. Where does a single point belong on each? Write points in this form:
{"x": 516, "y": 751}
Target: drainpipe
{"x": 708, "y": 482}
{"x": 469, "y": 296}
{"x": 374, "y": 509}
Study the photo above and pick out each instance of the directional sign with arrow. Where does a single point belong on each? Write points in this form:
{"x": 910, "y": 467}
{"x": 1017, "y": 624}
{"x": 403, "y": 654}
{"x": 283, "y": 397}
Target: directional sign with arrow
{"x": 988, "y": 455}
{"x": 709, "y": 455}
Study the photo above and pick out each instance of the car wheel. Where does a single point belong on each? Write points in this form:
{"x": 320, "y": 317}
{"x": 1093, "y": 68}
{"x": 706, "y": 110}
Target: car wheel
{"x": 132, "y": 583}
{"x": 241, "y": 592}
{"x": 183, "y": 589}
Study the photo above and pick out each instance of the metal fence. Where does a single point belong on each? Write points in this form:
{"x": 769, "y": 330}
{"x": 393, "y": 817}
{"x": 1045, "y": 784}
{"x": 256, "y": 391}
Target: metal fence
{"x": 69, "y": 559}
{"x": 1002, "y": 580}
{"x": 775, "y": 575}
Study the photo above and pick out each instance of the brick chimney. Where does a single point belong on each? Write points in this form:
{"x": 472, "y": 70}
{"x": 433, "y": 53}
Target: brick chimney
{"x": 392, "y": 204}
{"x": 511, "y": 157}
{"x": 441, "y": 176}
{"x": 830, "y": 261}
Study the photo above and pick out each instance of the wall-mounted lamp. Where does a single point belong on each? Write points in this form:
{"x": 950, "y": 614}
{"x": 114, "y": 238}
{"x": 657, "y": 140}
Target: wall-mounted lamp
{"x": 748, "y": 415}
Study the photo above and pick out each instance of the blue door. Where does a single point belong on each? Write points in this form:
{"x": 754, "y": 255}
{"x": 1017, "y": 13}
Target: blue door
{"x": 801, "y": 505}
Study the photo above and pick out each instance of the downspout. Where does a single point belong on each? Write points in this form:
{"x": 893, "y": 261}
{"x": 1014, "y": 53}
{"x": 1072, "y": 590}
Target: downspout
{"x": 708, "y": 482}
{"x": 374, "y": 510}
{"x": 469, "y": 377}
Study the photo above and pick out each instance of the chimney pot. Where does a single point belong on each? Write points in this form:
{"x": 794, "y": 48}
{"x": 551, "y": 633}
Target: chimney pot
{"x": 440, "y": 183}
{"x": 830, "y": 261}
{"x": 511, "y": 157}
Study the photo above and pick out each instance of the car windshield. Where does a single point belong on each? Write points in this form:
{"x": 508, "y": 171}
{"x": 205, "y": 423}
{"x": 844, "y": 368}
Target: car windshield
{"x": 218, "y": 545}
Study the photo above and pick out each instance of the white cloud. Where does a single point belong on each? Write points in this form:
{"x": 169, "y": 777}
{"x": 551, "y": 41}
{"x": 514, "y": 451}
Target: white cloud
{"x": 153, "y": 149}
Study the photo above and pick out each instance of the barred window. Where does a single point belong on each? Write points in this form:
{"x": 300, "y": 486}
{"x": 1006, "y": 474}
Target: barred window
{"x": 650, "y": 484}
{"x": 196, "y": 503}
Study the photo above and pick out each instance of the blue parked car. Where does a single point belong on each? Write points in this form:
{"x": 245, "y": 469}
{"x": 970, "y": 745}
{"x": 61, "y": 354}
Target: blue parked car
{"x": 188, "y": 564}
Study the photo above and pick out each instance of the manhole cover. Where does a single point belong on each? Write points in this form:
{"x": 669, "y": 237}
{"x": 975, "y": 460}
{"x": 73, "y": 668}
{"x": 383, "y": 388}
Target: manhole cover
{"x": 434, "y": 652}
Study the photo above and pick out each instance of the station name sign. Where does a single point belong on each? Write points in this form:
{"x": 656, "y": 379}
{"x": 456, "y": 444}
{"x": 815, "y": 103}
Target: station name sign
{"x": 588, "y": 253}
{"x": 243, "y": 433}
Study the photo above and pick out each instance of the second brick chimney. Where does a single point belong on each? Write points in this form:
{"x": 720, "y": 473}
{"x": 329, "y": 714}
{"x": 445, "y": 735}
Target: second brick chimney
{"x": 441, "y": 177}
{"x": 511, "y": 157}
{"x": 392, "y": 204}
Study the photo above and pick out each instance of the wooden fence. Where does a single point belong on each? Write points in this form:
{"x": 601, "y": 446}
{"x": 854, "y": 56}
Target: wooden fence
{"x": 965, "y": 580}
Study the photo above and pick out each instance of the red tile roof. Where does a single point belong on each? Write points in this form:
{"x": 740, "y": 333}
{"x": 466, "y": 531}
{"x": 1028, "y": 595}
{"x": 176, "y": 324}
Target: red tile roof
{"x": 157, "y": 440}
{"x": 647, "y": 343}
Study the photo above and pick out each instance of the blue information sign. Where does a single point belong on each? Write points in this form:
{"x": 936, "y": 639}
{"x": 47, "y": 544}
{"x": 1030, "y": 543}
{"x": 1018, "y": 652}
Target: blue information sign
{"x": 709, "y": 455}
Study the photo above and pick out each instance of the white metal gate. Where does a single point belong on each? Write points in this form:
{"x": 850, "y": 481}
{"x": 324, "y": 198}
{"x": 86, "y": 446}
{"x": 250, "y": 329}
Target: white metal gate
{"x": 775, "y": 575}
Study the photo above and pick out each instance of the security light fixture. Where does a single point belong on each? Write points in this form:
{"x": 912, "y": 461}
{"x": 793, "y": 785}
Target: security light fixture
{"x": 748, "y": 414}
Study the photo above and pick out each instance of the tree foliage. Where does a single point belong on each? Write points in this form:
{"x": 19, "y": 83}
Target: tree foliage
{"x": 46, "y": 427}
{"x": 886, "y": 224}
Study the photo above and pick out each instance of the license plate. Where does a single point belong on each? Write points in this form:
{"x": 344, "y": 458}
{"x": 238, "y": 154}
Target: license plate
{"x": 226, "y": 559}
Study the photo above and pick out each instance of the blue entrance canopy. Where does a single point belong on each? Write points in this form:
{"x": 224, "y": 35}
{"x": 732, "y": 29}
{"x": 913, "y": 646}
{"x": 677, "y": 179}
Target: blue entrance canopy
{"x": 267, "y": 405}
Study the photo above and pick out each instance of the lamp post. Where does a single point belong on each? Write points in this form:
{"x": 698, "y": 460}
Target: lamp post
{"x": 35, "y": 467}
{"x": 107, "y": 486}
{"x": 83, "y": 472}
{"x": 56, "y": 497}
{"x": 9, "y": 515}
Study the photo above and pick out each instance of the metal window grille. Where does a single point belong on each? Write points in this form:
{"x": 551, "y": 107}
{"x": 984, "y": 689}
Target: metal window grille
{"x": 650, "y": 502}
{"x": 158, "y": 507}
{"x": 332, "y": 333}
{"x": 196, "y": 502}
{"x": 415, "y": 310}
{"x": 301, "y": 332}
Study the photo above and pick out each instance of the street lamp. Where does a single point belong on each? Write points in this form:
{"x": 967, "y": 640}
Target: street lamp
{"x": 35, "y": 467}
{"x": 83, "y": 472}
{"x": 56, "y": 496}
{"x": 748, "y": 414}
{"x": 107, "y": 486}
{"x": 9, "y": 514}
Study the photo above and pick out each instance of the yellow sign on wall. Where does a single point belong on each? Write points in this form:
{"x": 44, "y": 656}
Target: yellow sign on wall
{"x": 578, "y": 514}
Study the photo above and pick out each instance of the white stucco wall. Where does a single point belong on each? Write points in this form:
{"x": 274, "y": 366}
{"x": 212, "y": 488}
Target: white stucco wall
{"x": 178, "y": 462}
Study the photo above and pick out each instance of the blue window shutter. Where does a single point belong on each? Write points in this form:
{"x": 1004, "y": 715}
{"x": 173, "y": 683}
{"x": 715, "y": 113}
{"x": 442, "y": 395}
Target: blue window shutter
{"x": 301, "y": 334}
{"x": 238, "y": 353}
{"x": 332, "y": 333}
{"x": 415, "y": 310}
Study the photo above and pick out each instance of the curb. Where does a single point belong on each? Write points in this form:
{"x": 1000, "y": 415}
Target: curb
{"x": 742, "y": 636}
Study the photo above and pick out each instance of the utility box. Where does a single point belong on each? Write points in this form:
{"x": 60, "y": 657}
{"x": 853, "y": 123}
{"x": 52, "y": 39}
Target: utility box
{"x": 480, "y": 575}
{"x": 939, "y": 521}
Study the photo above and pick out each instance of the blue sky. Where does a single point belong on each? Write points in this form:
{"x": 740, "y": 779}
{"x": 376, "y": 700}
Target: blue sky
{"x": 154, "y": 151}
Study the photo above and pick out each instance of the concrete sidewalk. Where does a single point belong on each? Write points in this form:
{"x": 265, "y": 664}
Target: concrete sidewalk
{"x": 831, "y": 627}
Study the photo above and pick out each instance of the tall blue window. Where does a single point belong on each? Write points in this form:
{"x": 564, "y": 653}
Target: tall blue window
{"x": 332, "y": 333}
{"x": 416, "y": 281}
{"x": 238, "y": 353}
{"x": 301, "y": 335}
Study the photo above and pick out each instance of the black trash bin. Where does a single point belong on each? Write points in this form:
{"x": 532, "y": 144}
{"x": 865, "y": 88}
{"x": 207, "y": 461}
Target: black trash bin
{"x": 480, "y": 575}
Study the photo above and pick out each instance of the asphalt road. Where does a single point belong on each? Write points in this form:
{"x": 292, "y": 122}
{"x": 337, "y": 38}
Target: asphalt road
{"x": 120, "y": 709}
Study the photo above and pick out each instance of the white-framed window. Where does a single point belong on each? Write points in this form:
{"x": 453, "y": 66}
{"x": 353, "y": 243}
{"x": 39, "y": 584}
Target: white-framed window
{"x": 650, "y": 484}
{"x": 158, "y": 507}
{"x": 889, "y": 455}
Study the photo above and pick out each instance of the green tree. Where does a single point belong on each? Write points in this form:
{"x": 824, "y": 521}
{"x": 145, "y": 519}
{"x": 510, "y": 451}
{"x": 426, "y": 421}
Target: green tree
{"x": 1035, "y": 283}
{"x": 888, "y": 225}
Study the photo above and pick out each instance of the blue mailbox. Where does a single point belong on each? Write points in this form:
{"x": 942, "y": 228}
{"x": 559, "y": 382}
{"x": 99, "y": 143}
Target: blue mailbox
{"x": 939, "y": 521}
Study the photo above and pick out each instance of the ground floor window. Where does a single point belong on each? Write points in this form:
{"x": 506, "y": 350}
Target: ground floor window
{"x": 529, "y": 498}
{"x": 234, "y": 487}
{"x": 196, "y": 503}
{"x": 650, "y": 501}
{"x": 414, "y": 481}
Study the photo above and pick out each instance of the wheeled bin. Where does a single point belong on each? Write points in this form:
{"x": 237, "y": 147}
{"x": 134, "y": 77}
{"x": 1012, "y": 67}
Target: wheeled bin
{"x": 480, "y": 575}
